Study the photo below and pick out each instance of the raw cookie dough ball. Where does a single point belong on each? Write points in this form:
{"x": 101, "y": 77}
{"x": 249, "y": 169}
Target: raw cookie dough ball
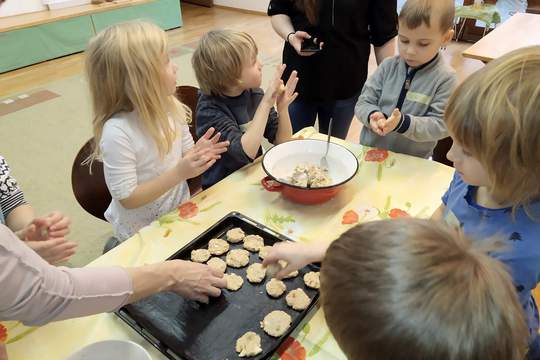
{"x": 217, "y": 264}
{"x": 234, "y": 282}
{"x": 264, "y": 252}
{"x": 218, "y": 247}
{"x": 248, "y": 344}
{"x": 297, "y": 299}
{"x": 312, "y": 280}
{"x": 256, "y": 273}
{"x": 200, "y": 255}
{"x": 275, "y": 288}
{"x": 253, "y": 243}
{"x": 276, "y": 323}
{"x": 283, "y": 264}
{"x": 237, "y": 258}
{"x": 235, "y": 235}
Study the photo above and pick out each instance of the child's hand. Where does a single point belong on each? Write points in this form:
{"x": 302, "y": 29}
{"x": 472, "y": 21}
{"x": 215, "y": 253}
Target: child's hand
{"x": 296, "y": 255}
{"x": 59, "y": 224}
{"x": 196, "y": 161}
{"x": 54, "y": 250}
{"x": 287, "y": 96}
{"x": 374, "y": 120}
{"x": 210, "y": 140}
{"x": 391, "y": 123}
{"x": 276, "y": 86}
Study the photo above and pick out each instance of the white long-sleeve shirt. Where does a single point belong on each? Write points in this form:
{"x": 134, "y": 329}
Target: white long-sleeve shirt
{"x": 130, "y": 158}
{"x": 35, "y": 292}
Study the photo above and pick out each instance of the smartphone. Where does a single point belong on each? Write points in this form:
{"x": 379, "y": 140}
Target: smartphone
{"x": 309, "y": 45}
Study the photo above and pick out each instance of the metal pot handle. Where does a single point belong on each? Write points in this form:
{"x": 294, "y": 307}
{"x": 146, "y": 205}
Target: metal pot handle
{"x": 271, "y": 185}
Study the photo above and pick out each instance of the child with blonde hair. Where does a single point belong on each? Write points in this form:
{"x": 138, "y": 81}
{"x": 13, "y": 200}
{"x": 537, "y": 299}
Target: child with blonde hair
{"x": 493, "y": 120}
{"x": 229, "y": 75}
{"x": 413, "y": 289}
{"x": 140, "y": 129}
{"x": 402, "y": 103}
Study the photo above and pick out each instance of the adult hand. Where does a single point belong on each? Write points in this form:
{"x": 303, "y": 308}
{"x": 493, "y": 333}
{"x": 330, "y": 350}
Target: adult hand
{"x": 196, "y": 281}
{"x": 297, "y": 255}
{"x": 55, "y": 250}
{"x": 374, "y": 121}
{"x": 288, "y": 95}
{"x": 296, "y": 41}
{"x": 388, "y": 125}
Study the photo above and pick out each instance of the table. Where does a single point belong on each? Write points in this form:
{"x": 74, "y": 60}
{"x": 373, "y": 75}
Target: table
{"x": 387, "y": 185}
{"x": 521, "y": 30}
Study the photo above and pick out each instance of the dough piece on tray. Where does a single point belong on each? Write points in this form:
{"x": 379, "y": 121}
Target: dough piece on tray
{"x": 234, "y": 282}
{"x": 200, "y": 255}
{"x": 235, "y": 235}
{"x": 237, "y": 258}
{"x": 218, "y": 247}
{"x": 312, "y": 280}
{"x": 248, "y": 344}
{"x": 276, "y": 323}
{"x": 218, "y": 264}
{"x": 275, "y": 288}
{"x": 256, "y": 273}
{"x": 297, "y": 299}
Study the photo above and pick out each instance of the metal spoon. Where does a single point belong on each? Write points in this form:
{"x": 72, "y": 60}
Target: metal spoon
{"x": 324, "y": 161}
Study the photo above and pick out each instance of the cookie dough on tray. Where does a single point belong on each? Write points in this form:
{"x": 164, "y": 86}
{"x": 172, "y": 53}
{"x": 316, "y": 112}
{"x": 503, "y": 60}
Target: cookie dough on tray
{"x": 235, "y": 235}
{"x": 217, "y": 264}
{"x": 276, "y": 323}
{"x": 253, "y": 243}
{"x": 218, "y": 247}
{"x": 298, "y": 300}
{"x": 312, "y": 280}
{"x": 256, "y": 273}
{"x": 234, "y": 282}
{"x": 200, "y": 255}
{"x": 237, "y": 258}
{"x": 248, "y": 344}
{"x": 275, "y": 288}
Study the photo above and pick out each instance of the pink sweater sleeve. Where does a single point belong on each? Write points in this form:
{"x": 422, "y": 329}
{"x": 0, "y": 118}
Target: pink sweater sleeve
{"x": 35, "y": 292}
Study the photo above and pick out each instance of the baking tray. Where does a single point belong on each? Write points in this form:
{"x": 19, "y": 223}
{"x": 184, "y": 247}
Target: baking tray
{"x": 186, "y": 329}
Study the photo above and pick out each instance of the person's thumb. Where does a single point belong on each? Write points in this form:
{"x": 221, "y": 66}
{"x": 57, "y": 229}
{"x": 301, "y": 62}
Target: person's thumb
{"x": 303, "y": 35}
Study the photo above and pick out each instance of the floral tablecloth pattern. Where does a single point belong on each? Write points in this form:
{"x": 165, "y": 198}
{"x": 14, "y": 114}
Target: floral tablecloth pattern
{"x": 387, "y": 185}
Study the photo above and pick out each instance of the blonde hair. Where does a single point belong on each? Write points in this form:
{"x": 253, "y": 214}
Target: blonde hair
{"x": 417, "y": 287}
{"x": 494, "y": 114}
{"x": 219, "y": 59}
{"x": 417, "y": 12}
{"x": 124, "y": 66}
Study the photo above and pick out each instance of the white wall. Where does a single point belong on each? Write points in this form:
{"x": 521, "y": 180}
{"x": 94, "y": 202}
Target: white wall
{"x": 253, "y": 5}
{"x": 14, "y": 7}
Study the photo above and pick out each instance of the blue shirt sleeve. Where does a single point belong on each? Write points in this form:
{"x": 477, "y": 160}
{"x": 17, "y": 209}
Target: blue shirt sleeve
{"x": 455, "y": 181}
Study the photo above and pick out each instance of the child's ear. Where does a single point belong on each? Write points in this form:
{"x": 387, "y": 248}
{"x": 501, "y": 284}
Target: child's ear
{"x": 447, "y": 37}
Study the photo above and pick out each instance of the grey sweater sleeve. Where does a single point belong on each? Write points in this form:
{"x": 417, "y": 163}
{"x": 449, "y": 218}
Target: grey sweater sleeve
{"x": 368, "y": 102}
{"x": 431, "y": 126}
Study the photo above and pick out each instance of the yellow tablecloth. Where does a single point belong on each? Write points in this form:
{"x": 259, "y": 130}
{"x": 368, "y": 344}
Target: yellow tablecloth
{"x": 386, "y": 185}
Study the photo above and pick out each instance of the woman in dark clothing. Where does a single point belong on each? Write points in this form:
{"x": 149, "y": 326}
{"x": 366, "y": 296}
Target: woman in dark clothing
{"x": 331, "y": 79}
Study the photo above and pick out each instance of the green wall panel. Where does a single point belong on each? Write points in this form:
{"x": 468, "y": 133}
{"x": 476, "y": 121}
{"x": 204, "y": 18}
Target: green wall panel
{"x": 165, "y": 13}
{"x": 48, "y": 41}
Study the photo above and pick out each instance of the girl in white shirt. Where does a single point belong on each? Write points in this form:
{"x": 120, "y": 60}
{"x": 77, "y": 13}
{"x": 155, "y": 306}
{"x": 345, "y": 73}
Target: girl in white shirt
{"x": 140, "y": 129}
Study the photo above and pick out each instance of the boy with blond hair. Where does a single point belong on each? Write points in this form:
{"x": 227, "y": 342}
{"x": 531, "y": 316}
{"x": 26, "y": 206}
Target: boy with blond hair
{"x": 402, "y": 103}
{"x": 229, "y": 75}
{"x": 414, "y": 289}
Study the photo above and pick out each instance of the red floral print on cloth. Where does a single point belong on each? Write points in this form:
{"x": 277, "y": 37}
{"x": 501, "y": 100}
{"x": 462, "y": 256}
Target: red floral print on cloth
{"x": 398, "y": 213}
{"x": 377, "y": 155}
{"x": 350, "y": 217}
{"x": 291, "y": 349}
{"x": 188, "y": 210}
{"x": 3, "y": 334}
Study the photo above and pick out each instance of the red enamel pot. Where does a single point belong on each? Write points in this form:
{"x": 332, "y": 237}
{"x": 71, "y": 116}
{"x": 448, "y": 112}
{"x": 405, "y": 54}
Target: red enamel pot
{"x": 279, "y": 163}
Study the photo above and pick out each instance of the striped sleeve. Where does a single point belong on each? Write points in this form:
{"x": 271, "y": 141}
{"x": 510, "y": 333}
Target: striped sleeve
{"x": 11, "y": 196}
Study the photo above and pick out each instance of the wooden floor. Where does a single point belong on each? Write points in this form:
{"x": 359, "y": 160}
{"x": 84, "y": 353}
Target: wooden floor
{"x": 197, "y": 21}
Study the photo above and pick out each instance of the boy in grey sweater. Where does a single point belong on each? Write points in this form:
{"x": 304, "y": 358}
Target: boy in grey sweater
{"x": 402, "y": 103}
